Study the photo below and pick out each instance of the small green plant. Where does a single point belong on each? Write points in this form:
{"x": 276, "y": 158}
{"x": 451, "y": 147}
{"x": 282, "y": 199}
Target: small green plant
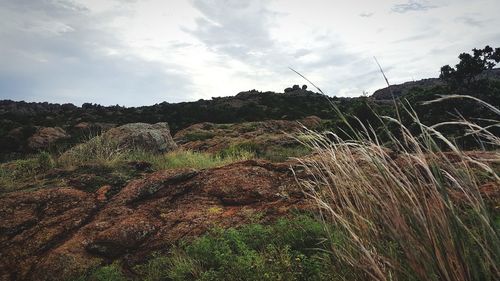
{"x": 45, "y": 161}
{"x": 290, "y": 249}
{"x": 112, "y": 272}
{"x": 215, "y": 210}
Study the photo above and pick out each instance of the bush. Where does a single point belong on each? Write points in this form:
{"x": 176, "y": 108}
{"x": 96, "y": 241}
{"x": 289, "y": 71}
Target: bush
{"x": 45, "y": 161}
{"x": 110, "y": 272}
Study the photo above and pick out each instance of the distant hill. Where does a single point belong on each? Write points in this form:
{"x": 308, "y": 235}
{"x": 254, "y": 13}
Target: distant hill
{"x": 20, "y": 121}
{"x": 403, "y": 89}
{"x": 250, "y": 105}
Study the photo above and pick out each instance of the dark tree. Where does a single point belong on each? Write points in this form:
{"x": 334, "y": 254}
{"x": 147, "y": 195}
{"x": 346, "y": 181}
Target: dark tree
{"x": 467, "y": 71}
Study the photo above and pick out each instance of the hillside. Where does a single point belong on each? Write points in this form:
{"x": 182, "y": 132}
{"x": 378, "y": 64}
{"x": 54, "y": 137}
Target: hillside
{"x": 257, "y": 186}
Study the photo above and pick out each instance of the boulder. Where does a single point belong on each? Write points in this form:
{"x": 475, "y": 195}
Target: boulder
{"x": 266, "y": 135}
{"x": 154, "y": 138}
{"x": 311, "y": 122}
{"x": 44, "y": 137}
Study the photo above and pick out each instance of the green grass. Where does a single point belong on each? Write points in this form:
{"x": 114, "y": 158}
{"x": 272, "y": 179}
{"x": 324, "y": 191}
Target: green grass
{"x": 106, "y": 162}
{"x": 186, "y": 159}
{"x": 273, "y": 153}
{"x": 112, "y": 272}
{"x": 289, "y": 249}
{"x": 28, "y": 170}
{"x": 199, "y": 135}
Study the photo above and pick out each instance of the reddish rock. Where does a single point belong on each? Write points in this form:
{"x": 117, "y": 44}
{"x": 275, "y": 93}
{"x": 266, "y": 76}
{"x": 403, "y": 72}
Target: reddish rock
{"x": 266, "y": 135}
{"x": 45, "y": 137}
{"x": 101, "y": 193}
{"x": 311, "y": 122}
{"x": 34, "y": 223}
{"x": 54, "y": 234}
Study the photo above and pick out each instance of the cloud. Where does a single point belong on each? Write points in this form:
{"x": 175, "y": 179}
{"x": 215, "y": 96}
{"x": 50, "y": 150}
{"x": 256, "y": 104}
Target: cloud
{"x": 142, "y": 52}
{"x": 470, "y": 20}
{"x": 412, "y": 6}
{"x": 239, "y": 29}
{"x": 418, "y": 37}
{"x": 60, "y": 51}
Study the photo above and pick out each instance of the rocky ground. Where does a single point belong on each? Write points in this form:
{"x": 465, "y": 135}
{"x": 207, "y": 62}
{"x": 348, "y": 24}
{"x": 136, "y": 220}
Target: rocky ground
{"x": 65, "y": 231}
{"x": 73, "y": 219}
{"x": 76, "y": 218}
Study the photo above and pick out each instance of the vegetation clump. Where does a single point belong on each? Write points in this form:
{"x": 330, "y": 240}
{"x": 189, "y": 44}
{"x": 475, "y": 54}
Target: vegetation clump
{"x": 289, "y": 249}
{"x": 417, "y": 215}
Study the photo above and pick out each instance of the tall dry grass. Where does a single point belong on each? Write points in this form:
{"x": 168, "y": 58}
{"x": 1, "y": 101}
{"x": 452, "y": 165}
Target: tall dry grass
{"x": 414, "y": 214}
{"x": 94, "y": 149}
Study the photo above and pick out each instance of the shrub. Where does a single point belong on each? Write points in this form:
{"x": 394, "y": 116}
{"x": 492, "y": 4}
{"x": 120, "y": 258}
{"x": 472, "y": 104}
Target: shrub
{"x": 289, "y": 249}
{"x": 45, "y": 161}
{"x": 110, "y": 272}
{"x": 286, "y": 250}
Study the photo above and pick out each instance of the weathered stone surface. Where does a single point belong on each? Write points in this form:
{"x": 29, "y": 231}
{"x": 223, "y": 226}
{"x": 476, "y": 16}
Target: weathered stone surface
{"x": 46, "y": 136}
{"x": 54, "y": 234}
{"x": 35, "y": 223}
{"x": 151, "y": 137}
{"x": 216, "y": 137}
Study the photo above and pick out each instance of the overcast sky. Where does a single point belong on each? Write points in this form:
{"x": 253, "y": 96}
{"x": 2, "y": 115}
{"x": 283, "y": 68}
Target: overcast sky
{"x": 142, "y": 52}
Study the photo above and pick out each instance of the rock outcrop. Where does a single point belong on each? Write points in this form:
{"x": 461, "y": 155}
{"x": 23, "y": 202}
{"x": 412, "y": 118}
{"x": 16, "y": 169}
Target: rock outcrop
{"x": 213, "y": 138}
{"x": 150, "y": 137}
{"x": 58, "y": 233}
{"x": 46, "y": 136}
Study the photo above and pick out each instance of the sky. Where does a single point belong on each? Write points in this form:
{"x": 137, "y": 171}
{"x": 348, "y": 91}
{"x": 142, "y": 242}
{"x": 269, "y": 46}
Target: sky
{"x": 143, "y": 52}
